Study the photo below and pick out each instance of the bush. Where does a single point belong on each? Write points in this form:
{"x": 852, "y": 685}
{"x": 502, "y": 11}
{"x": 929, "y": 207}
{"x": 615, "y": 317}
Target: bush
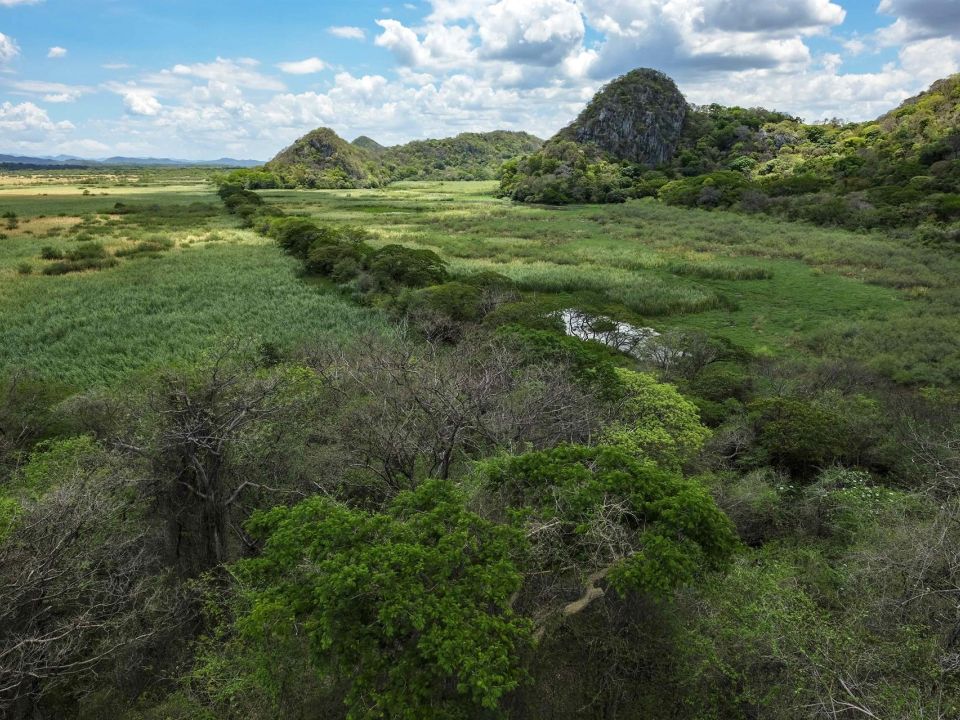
{"x": 49, "y": 252}
{"x": 70, "y": 266}
{"x": 24, "y": 268}
{"x": 718, "y": 189}
{"x": 409, "y": 267}
{"x": 297, "y": 235}
{"x": 152, "y": 246}
{"x": 87, "y": 251}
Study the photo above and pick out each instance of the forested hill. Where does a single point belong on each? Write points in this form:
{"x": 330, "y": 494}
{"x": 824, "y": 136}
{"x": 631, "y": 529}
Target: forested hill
{"x": 468, "y": 156}
{"x": 322, "y": 159}
{"x": 900, "y": 170}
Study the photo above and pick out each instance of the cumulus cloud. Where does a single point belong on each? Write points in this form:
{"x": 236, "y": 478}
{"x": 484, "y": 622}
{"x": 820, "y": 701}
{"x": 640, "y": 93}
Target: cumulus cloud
{"x": 919, "y": 19}
{"x": 57, "y": 52}
{"x": 137, "y": 100}
{"x": 751, "y": 16}
{"x": 240, "y": 73}
{"x": 348, "y": 32}
{"x": 537, "y": 32}
{"x": 26, "y": 125}
{"x": 303, "y": 67}
{"x": 8, "y": 49}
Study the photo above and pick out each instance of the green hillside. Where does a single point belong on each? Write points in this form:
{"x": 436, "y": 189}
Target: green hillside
{"x": 901, "y": 170}
{"x": 322, "y": 159}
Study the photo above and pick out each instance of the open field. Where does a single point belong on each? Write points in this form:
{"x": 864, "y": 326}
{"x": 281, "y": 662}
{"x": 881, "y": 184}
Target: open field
{"x": 163, "y": 306}
{"x": 765, "y": 285}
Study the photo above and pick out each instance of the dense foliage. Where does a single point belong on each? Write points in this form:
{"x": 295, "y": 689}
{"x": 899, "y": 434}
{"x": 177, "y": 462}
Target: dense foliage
{"x": 467, "y": 489}
{"x": 899, "y": 170}
{"x": 321, "y": 159}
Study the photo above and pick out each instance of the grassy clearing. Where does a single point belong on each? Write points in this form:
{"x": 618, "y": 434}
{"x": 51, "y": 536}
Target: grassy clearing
{"x": 768, "y": 285}
{"x": 177, "y": 280}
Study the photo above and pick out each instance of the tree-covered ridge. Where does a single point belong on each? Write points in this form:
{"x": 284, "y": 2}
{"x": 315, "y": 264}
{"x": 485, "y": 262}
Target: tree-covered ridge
{"x": 322, "y": 159}
{"x": 468, "y": 156}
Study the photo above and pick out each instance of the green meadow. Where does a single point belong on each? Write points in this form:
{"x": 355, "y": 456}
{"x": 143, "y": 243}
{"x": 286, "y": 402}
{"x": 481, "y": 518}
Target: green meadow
{"x": 187, "y": 277}
{"x": 200, "y": 283}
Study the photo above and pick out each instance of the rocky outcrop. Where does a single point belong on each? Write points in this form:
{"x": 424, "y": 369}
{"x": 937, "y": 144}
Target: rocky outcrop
{"x": 638, "y": 117}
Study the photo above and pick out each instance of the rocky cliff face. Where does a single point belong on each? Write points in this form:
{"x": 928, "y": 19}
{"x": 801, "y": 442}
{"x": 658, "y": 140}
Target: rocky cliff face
{"x": 638, "y": 117}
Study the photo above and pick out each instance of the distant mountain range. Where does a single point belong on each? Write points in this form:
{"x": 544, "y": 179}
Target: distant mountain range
{"x": 117, "y": 161}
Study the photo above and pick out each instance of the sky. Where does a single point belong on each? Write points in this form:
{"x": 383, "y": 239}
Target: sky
{"x": 204, "y": 79}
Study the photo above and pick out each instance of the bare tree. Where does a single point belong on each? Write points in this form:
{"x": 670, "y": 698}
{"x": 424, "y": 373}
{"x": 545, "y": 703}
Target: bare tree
{"x": 216, "y": 437}
{"x": 80, "y": 584}
{"x": 400, "y": 411}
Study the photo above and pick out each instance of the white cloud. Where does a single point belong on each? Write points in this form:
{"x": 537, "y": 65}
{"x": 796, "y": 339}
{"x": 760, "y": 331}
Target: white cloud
{"x": 347, "y": 32}
{"x": 854, "y": 46}
{"x": 57, "y": 52}
{"x": 26, "y": 126}
{"x": 919, "y": 19}
{"x": 402, "y": 42}
{"x": 241, "y": 73}
{"x": 303, "y": 67}
{"x": 537, "y": 32}
{"x": 11, "y": 3}
{"x": 137, "y": 100}
{"x": 50, "y": 91}
{"x": 8, "y": 49}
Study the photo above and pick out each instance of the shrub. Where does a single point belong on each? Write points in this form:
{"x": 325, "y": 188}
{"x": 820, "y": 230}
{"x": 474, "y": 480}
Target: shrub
{"x": 409, "y": 267}
{"x": 87, "y": 251}
{"x": 151, "y": 246}
{"x": 456, "y": 300}
{"x": 49, "y": 252}
{"x": 24, "y": 268}
{"x": 297, "y": 235}
{"x": 718, "y": 189}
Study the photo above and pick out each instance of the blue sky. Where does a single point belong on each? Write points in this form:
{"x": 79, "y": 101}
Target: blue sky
{"x": 201, "y": 79}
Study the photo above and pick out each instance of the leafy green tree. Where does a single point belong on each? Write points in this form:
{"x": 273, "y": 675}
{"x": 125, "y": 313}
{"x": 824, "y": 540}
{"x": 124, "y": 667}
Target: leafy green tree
{"x": 411, "y": 607}
{"x": 611, "y": 516}
{"x": 657, "y": 422}
{"x": 410, "y": 267}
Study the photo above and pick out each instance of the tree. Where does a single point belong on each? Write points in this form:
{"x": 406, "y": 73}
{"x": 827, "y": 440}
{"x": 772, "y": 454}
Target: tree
{"x": 598, "y": 514}
{"x": 411, "y": 607}
{"x": 81, "y": 583}
{"x": 401, "y": 412}
{"x": 656, "y": 422}
{"x": 215, "y": 437}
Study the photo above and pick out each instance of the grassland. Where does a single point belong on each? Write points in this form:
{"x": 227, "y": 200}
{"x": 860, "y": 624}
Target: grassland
{"x": 769, "y": 286}
{"x": 207, "y": 283}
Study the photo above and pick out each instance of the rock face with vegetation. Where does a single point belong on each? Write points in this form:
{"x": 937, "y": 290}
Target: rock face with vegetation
{"x": 323, "y": 159}
{"x": 638, "y": 118}
{"x": 639, "y": 138}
